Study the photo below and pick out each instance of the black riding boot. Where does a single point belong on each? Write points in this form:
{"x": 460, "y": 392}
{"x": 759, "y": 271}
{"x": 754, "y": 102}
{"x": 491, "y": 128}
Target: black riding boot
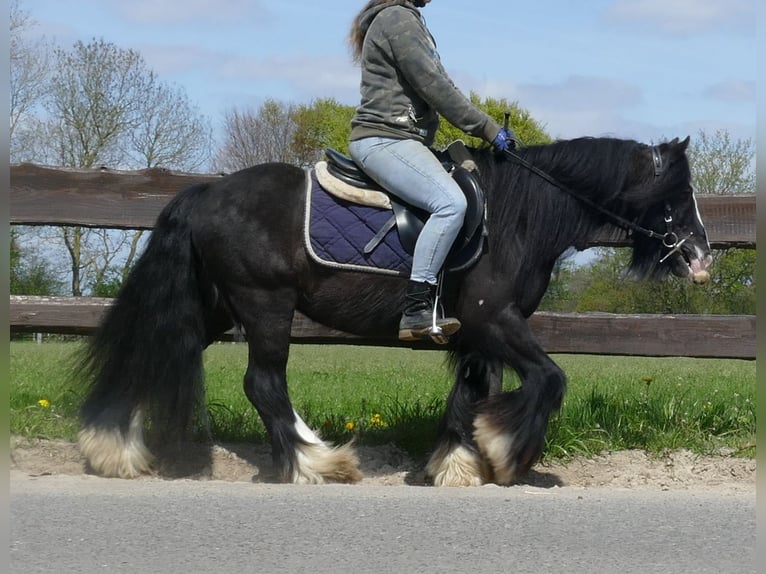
{"x": 418, "y": 318}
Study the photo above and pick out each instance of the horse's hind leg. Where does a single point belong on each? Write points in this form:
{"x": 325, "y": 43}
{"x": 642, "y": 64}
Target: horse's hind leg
{"x": 456, "y": 460}
{"x": 299, "y": 454}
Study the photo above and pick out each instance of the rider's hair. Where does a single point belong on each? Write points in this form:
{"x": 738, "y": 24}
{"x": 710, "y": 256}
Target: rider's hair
{"x": 361, "y": 23}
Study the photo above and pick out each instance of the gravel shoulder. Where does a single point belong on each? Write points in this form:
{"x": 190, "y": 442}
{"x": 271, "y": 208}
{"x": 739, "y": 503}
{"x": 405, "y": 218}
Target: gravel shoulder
{"x": 387, "y": 465}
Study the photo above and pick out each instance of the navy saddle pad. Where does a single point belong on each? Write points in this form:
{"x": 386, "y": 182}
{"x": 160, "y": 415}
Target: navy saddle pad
{"x": 337, "y": 231}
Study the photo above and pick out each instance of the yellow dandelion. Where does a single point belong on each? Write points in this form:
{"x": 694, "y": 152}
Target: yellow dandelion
{"x": 350, "y": 425}
{"x": 44, "y": 403}
{"x": 377, "y": 421}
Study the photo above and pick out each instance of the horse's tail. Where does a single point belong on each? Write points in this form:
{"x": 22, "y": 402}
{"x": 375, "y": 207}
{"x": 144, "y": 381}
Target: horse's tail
{"x": 145, "y": 360}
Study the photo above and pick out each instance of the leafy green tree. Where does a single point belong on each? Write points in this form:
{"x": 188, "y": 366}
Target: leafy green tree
{"x": 731, "y": 289}
{"x": 562, "y": 290}
{"x": 300, "y": 133}
{"x": 721, "y": 166}
{"x": 321, "y": 124}
{"x": 732, "y": 286}
{"x": 528, "y": 130}
{"x": 108, "y": 285}
{"x": 30, "y": 276}
{"x": 608, "y": 289}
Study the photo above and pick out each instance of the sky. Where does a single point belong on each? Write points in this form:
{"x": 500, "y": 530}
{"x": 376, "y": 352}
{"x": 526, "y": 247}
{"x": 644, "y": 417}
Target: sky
{"x": 648, "y": 70}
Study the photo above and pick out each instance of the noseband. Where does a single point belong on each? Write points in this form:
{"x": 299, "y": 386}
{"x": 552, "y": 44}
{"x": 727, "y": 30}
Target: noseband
{"x": 669, "y": 238}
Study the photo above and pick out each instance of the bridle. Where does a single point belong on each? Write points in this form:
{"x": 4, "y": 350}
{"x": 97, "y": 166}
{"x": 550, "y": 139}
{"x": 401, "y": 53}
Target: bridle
{"x": 669, "y": 239}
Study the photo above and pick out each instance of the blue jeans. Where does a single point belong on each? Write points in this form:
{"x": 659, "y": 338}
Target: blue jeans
{"x": 409, "y": 170}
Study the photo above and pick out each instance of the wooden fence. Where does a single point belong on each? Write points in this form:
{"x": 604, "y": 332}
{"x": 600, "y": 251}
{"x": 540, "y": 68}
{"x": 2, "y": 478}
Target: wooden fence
{"x": 132, "y": 200}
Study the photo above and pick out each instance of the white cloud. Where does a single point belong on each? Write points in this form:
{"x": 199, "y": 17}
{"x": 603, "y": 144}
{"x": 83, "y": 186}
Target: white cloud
{"x": 685, "y": 16}
{"x": 732, "y": 91}
{"x": 583, "y": 93}
{"x": 575, "y": 106}
{"x": 180, "y": 59}
{"x": 575, "y": 92}
{"x": 315, "y": 76}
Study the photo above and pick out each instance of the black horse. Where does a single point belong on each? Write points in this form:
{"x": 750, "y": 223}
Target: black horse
{"x": 232, "y": 253}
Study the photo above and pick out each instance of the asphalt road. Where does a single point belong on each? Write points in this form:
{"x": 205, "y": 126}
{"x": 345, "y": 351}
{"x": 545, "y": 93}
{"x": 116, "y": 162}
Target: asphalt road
{"x": 86, "y": 525}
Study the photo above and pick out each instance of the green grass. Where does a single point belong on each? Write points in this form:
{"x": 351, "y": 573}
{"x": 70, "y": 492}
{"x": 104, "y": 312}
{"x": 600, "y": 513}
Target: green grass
{"x": 654, "y": 404}
{"x": 380, "y": 395}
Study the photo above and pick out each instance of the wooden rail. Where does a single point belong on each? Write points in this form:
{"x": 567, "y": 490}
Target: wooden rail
{"x": 132, "y": 200}
{"x": 730, "y": 336}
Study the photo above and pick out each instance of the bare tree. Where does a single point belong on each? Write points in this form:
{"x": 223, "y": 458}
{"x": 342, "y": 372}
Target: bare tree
{"x": 171, "y": 132}
{"x": 721, "y": 166}
{"x": 29, "y": 68}
{"x": 256, "y": 137}
{"x": 106, "y": 108}
{"x": 96, "y": 96}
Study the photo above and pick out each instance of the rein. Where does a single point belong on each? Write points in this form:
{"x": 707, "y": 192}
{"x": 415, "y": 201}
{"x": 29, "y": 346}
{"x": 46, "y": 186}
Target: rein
{"x": 669, "y": 238}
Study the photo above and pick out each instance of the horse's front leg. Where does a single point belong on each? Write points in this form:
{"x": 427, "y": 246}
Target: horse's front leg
{"x": 510, "y": 427}
{"x": 456, "y": 460}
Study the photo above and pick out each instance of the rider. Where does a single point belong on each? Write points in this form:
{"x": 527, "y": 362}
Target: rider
{"x": 404, "y": 88}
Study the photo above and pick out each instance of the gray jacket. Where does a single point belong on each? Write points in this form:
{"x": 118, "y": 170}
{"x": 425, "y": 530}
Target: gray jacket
{"x": 404, "y": 86}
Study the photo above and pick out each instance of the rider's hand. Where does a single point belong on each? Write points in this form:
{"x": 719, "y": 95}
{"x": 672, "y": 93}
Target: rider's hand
{"x": 504, "y": 140}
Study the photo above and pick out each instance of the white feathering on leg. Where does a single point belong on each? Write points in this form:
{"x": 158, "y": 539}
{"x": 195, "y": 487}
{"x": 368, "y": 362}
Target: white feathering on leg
{"x": 495, "y": 445}
{"x": 458, "y": 466}
{"x": 112, "y": 454}
{"x": 317, "y": 462}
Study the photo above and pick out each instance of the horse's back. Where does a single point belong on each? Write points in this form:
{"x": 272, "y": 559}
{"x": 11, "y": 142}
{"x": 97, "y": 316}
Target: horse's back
{"x": 250, "y": 218}
{"x": 270, "y": 194}
{"x": 265, "y": 186}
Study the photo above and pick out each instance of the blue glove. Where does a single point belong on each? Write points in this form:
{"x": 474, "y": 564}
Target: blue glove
{"x": 504, "y": 140}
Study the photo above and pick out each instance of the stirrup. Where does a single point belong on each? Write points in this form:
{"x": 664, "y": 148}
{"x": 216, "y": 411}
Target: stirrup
{"x": 437, "y": 334}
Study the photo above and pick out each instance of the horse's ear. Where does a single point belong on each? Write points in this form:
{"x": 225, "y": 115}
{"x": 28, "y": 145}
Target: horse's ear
{"x": 678, "y": 145}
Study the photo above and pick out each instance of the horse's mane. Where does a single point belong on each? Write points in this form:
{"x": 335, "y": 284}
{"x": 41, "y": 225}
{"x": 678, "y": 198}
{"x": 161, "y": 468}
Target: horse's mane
{"x": 544, "y": 221}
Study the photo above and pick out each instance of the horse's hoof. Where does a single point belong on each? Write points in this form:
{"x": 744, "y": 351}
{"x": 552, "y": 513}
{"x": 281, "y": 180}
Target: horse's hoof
{"x": 459, "y": 466}
{"x": 496, "y": 445}
{"x": 319, "y": 464}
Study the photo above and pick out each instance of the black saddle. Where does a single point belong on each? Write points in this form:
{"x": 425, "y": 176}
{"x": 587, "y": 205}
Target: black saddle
{"x": 409, "y": 220}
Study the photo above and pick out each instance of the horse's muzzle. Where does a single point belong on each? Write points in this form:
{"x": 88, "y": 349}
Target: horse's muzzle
{"x": 699, "y": 269}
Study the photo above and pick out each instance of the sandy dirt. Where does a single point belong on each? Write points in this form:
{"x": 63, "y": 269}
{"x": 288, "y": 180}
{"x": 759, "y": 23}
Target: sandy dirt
{"x": 387, "y": 465}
